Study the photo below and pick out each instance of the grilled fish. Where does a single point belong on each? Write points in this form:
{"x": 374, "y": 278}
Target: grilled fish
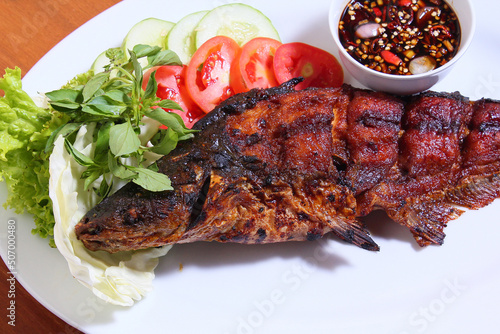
{"x": 281, "y": 164}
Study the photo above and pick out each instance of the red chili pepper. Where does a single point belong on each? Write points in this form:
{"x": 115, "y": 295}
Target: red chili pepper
{"x": 377, "y": 12}
{"x": 378, "y": 44}
{"x": 404, "y": 3}
{"x": 390, "y": 57}
{"x": 408, "y": 12}
{"x": 442, "y": 31}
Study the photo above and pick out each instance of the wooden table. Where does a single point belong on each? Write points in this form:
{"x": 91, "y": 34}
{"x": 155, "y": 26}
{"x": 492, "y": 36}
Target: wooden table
{"x": 28, "y": 30}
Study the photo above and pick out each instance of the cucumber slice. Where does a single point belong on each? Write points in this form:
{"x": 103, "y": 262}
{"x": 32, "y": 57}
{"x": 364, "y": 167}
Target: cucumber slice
{"x": 99, "y": 63}
{"x": 149, "y": 31}
{"x": 181, "y": 38}
{"x": 238, "y": 21}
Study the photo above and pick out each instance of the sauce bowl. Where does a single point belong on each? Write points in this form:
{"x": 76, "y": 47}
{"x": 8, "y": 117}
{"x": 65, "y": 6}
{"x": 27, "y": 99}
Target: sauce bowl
{"x": 403, "y": 84}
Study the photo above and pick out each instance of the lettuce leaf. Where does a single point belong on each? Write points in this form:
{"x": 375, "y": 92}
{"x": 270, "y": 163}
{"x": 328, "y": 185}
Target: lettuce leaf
{"x": 24, "y": 164}
{"x": 79, "y": 80}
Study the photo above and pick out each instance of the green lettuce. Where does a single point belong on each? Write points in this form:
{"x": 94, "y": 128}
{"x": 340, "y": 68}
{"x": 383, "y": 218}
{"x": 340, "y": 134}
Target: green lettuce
{"x": 24, "y": 162}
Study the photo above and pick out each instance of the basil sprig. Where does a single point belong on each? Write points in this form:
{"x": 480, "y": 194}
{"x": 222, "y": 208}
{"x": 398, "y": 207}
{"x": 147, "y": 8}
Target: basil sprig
{"x": 115, "y": 101}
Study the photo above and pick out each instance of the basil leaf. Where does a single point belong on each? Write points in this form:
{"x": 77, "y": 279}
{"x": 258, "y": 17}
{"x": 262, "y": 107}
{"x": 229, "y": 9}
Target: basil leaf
{"x": 137, "y": 72}
{"x": 151, "y": 180}
{"x": 65, "y": 100}
{"x": 93, "y": 85}
{"x": 105, "y": 111}
{"x": 151, "y": 87}
{"x": 115, "y": 100}
{"x": 154, "y": 167}
{"x": 142, "y": 50}
{"x": 169, "y": 104}
{"x": 165, "y": 57}
{"x": 90, "y": 178}
{"x": 64, "y": 95}
{"x": 79, "y": 157}
{"x": 186, "y": 136}
{"x": 103, "y": 106}
{"x": 65, "y": 106}
{"x": 105, "y": 188}
{"x": 102, "y": 142}
{"x": 123, "y": 140}
{"x": 169, "y": 119}
{"x": 117, "y": 97}
{"x": 63, "y": 130}
{"x": 119, "y": 84}
{"x": 168, "y": 141}
{"x": 118, "y": 169}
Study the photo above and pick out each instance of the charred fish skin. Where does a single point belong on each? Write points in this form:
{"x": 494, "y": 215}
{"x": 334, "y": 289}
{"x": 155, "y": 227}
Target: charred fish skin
{"x": 247, "y": 177}
{"x": 278, "y": 164}
{"x": 479, "y": 182}
{"x": 429, "y": 159}
{"x": 374, "y": 123}
{"x": 287, "y": 183}
{"x": 449, "y": 156}
{"x": 134, "y": 218}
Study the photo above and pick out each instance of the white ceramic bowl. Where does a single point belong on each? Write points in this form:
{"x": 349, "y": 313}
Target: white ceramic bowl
{"x": 403, "y": 84}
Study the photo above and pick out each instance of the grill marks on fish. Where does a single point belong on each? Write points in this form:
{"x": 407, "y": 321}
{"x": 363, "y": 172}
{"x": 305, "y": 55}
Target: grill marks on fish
{"x": 279, "y": 164}
{"x": 435, "y": 172}
{"x": 374, "y": 123}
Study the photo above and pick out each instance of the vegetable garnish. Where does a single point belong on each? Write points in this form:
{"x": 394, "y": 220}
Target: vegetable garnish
{"x": 318, "y": 67}
{"x": 172, "y": 86}
{"x": 24, "y": 130}
{"x": 254, "y": 67}
{"x": 115, "y": 100}
{"x": 119, "y": 279}
{"x": 208, "y": 73}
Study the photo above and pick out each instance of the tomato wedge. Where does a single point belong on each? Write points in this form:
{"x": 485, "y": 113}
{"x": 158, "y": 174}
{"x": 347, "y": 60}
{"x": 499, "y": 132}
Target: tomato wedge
{"x": 171, "y": 86}
{"x": 254, "y": 67}
{"x": 318, "y": 67}
{"x": 208, "y": 72}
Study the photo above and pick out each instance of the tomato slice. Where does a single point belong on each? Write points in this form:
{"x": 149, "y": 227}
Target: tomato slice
{"x": 208, "y": 72}
{"x": 171, "y": 86}
{"x": 318, "y": 67}
{"x": 254, "y": 67}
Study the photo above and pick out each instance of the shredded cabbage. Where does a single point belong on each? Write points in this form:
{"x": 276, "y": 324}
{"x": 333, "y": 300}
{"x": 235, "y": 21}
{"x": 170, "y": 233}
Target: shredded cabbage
{"x": 121, "y": 278}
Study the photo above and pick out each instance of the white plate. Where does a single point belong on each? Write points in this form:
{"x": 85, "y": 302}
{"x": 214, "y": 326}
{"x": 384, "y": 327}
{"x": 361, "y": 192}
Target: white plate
{"x": 324, "y": 286}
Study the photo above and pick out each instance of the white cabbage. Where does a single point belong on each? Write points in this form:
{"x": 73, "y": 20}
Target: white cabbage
{"x": 121, "y": 278}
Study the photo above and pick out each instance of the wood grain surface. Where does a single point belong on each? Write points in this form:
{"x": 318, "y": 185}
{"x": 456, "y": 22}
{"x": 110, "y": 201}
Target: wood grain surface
{"x": 28, "y": 30}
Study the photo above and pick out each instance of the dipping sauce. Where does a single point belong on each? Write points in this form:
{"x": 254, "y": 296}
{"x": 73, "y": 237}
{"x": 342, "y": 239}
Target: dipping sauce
{"x": 400, "y": 37}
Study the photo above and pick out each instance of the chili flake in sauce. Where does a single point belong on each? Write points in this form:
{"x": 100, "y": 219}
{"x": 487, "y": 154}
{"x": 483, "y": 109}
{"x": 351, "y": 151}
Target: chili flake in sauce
{"x": 400, "y": 36}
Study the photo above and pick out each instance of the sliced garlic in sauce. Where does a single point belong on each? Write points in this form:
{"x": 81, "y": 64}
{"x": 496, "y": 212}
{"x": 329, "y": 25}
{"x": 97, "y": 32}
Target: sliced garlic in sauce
{"x": 368, "y": 30}
{"x": 422, "y": 65}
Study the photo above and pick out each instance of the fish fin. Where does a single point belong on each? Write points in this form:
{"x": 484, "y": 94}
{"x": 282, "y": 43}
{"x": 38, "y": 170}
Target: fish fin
{"x": 426, "y": 217}
{"x": 353, "y": 232}
{"x": 475, "y": 192}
